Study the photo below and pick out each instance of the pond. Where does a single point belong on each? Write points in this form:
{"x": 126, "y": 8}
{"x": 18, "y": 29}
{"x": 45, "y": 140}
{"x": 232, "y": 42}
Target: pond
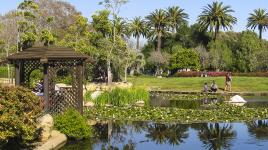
{"x": 121, "y": 135}
{"x": 201, "y": 101}
{"x": 127, "y": 135}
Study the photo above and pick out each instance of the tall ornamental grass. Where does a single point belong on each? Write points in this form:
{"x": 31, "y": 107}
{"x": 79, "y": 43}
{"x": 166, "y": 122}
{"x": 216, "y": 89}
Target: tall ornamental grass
{"x": 122, "y": 97}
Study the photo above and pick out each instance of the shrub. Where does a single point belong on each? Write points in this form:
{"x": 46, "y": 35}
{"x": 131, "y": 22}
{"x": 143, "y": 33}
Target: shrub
{"x": 18, "y": 114}
{"x": 188, "y": 74}
{"x": 73, "y": 124}
{"x": 122, "y": 97}
{"x": 216, "y": 74}
{"x": 251, "y": 74}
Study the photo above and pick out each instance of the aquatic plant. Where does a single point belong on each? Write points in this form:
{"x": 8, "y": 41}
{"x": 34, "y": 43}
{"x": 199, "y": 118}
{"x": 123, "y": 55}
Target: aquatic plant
{"x": 122, "y": 97}
{"x": 217, "y": 113}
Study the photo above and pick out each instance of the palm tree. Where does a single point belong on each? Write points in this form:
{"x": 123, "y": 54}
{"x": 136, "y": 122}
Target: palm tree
{"x": 258, "y": 19}
{"x": 176, "y": 17}
{"x": 158, "y": 23}
{"x": 138, "y": 28}
{"x": 216, "y": 16}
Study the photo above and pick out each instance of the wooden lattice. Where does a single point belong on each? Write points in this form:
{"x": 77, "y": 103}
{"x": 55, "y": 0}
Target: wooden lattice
{"x": 50, "y": 60}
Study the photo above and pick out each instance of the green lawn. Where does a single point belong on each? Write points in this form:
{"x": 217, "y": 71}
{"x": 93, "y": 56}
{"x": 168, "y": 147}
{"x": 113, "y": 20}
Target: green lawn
{"x": 239, "y": 84}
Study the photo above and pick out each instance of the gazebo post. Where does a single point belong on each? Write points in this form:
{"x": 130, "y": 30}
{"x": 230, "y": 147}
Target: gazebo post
{"x": 17, "y": 73}
{"x": 46, "y": 96}
{"x": 80, "y": 86}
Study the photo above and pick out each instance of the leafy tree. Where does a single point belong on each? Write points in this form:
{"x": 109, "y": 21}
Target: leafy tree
{"x": 158, "y": 60}
{"x": 185, "y": 59}
{"x": 138, "y": 28}
{"x": 27, "y": 10}
{"x": 248, "y": 46}
{"x": 215, "y": 16}
{"x": 114, "y": 7}
{"x": 46, "y": 34}
{"x": 258, "y": 19}
{"x": 158, "y": 23}
{"x": 220, "y": 55}
{"x": 176, "y": 17}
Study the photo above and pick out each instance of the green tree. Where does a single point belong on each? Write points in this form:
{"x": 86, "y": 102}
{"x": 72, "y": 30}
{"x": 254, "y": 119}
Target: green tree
{"x": 220, "y": 55}
{"x": 258, "y": 19}
{"x": 216, "y": 16}
{"x": 46, "y": 34}
{"x": 114, "y": 7}
{"x": 138, "y": 28}
{"x": 176, "y": 17}
{"x": 158, "y": 23}
{"x": 245, "y": 55}
{"x": 185, "y": 59}
{"x": 27, "y": 10}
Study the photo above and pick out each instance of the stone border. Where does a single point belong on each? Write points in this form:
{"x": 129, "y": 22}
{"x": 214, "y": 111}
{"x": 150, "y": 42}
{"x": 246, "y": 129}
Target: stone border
{"x": 217, "y": 93}
{"x": 55, "y": 142}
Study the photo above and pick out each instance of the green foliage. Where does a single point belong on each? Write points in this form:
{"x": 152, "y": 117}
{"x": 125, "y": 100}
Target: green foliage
{"x": 35, "y": 77}
{"x": 258, "y": 19}
{"x": 216, "y": 16}
{"x": 18, "y": 113}
{"x": 28, "y": 11}
{"x": 220, "y": 55}
{"x": 122, "y": 97}
{"x": 185, "y": 58}
{"x": 73, "y": 124}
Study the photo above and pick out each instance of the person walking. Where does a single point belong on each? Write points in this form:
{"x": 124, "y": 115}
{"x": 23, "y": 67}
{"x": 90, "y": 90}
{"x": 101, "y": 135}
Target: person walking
{"x": 228, "y": 80}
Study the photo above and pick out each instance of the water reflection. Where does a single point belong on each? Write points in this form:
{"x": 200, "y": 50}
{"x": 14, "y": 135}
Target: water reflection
{"x": 172, "y": 134}
{"x": 121, "y": 135}
{"x": 259, "y": 129}
{"x": 216, "y": 136}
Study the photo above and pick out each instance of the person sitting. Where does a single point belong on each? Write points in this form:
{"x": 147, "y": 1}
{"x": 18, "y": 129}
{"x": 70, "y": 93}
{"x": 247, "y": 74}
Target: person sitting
{"x": 205, "y": 89}
{"x": 214, "y": 86}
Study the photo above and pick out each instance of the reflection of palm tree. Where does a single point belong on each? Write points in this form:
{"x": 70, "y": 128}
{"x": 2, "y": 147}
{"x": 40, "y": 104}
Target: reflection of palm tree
{"x": 215, "y": 136}
{"x": 173, "y": 134}
{"x": 259, "y": 129}
{"x": 176, "y": 133}
{"x": 156, "y": 132}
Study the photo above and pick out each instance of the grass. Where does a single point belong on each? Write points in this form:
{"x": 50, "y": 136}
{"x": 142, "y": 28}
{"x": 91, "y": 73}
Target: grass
{"x": 239, "y": 84}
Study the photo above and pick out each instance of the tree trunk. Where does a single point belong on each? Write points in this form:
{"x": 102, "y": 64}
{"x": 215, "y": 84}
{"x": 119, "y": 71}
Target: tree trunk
{"x": 126, "y": 73}
{"x": 260, "y": 33}
{"x": 159, "y": 35}
{"x": 138, "y": 43}
{"x": 109, "y": 73}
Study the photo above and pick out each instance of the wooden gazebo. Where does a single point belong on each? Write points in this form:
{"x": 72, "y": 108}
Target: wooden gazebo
{"x": 51, "y": 60}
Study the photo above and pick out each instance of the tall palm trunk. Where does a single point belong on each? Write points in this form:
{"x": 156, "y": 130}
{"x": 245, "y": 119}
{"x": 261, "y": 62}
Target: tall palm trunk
{"x": 260, "y": 32}
{"x": 159, "y": 42}
{"x": 138, "y": 43}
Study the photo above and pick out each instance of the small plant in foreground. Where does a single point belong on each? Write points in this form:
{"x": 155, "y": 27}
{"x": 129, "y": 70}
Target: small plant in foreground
{"x": 73, "y": 124}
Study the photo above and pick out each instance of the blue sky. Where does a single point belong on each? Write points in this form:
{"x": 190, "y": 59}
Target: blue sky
{"x": 144, "y": 7}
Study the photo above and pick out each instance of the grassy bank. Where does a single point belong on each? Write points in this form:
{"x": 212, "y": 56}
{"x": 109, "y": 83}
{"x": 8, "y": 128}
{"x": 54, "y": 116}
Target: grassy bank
{"x": 239, "y": 84}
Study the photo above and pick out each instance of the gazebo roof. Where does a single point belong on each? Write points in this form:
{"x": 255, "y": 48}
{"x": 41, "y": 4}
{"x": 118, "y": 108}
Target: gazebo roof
{"x": 49, "y": 53}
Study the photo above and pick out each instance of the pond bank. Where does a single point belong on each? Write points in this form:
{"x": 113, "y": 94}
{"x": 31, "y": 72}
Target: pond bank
{"x": 217, "y": 93}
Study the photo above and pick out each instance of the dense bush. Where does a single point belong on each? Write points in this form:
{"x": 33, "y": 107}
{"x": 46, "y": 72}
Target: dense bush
{"x": 18, "y": 113}
{"x": 188, "y": 74}
{"x": 185, "y": 59}
{"x": 251, "y": 74}
{"x": 122, "y": 97}
{"x": 73, "y": 124}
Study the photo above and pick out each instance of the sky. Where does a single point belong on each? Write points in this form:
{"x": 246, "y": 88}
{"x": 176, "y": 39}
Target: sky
{"x": 142, "y": 8}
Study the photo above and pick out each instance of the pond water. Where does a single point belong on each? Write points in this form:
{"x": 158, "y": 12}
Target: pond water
{"x": 125, "y": 135}
{"x": 170, "y": 136}
{"x": 186, "y": 102}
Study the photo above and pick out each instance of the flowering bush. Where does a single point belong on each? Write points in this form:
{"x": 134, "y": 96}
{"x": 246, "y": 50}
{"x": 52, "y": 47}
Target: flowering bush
{"x": 215, "y": 74}
{"x": 188, "y": 74}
